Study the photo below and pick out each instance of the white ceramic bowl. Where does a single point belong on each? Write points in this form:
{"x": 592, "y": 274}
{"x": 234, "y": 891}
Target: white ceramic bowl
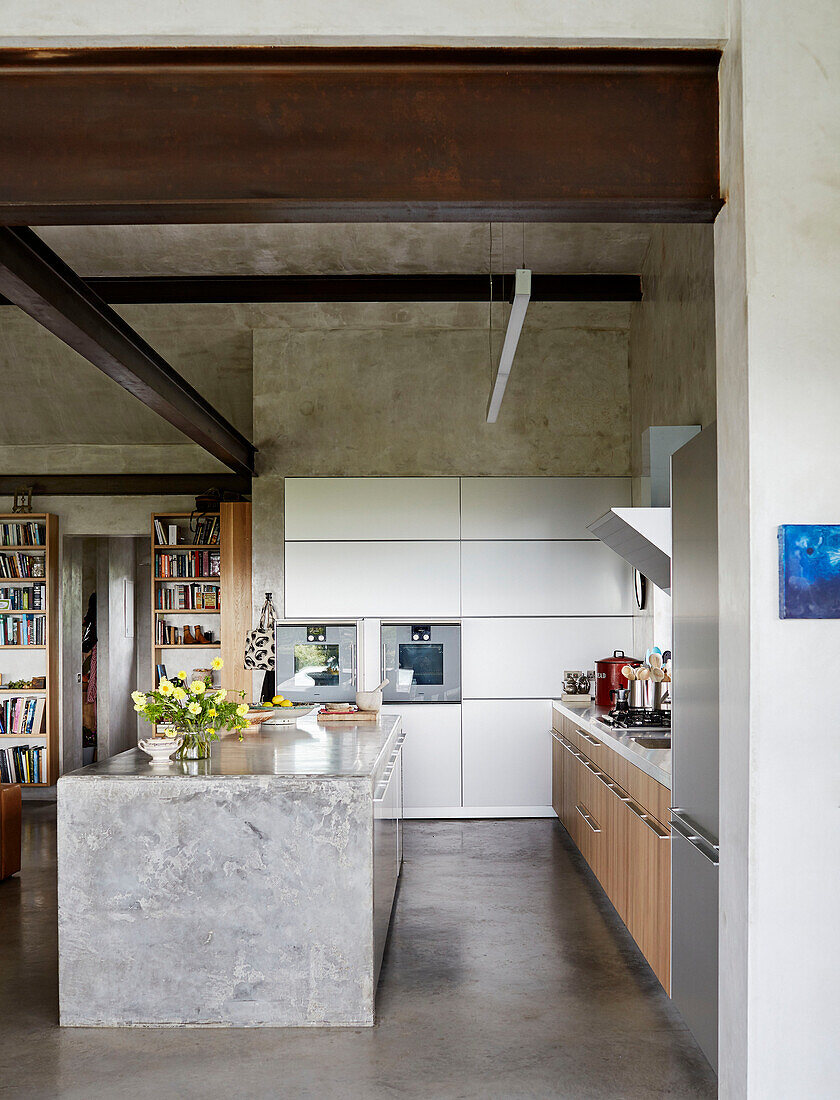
{"x": 161, "y": 748}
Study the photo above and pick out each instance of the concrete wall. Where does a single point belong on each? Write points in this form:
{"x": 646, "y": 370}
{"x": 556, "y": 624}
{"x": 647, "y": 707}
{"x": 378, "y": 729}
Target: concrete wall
{"x": 776, "y": 252}
{"x": 652, "y": 21}
{"x": 671, "y": 350}
{"x": 390, "y": 390}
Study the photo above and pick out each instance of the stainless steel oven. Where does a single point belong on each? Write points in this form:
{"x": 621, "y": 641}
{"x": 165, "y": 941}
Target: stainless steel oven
{"x": 422, "y": 662}
{"x": 315, "y": 662}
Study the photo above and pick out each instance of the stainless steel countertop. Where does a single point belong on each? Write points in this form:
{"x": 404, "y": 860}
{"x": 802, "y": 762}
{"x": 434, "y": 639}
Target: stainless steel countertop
{"x": 653, "y": 762}
{"x": 306, "y": 749}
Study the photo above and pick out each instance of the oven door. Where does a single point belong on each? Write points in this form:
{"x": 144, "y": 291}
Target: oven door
{"x": 316, "y": 662}
{"x": 422, "y": 662}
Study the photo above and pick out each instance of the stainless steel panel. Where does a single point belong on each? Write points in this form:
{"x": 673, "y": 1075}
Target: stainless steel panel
{"x": 694, "y": 942}
{"x": 695, "y": 644}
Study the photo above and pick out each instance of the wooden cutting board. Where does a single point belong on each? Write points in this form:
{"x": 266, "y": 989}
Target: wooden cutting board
{"x": 356, "y": 716}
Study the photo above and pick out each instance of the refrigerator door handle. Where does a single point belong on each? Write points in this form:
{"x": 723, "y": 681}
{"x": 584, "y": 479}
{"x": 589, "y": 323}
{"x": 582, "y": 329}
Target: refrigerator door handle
{"x": 695, "y": 835}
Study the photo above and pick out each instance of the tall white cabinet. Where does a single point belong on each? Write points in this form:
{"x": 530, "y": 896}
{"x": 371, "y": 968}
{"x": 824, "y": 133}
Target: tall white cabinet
{"x": 511, "y": 559}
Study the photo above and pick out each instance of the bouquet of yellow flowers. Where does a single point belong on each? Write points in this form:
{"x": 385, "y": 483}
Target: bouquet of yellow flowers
{"x": 196, "y": 711}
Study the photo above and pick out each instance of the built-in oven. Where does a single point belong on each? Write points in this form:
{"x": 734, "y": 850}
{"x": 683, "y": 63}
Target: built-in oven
{"x": 315, "y": 662}
{"x": 422, "y": 662}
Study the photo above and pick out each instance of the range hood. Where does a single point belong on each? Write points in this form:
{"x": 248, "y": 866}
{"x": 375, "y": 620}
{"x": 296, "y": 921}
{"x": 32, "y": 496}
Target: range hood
{"x": 642, "y": 536}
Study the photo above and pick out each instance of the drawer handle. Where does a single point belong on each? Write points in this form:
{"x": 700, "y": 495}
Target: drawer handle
{"x": 590, "y": 739}
{"x": 587, "y": 817}
{"x": 651, "y": 822}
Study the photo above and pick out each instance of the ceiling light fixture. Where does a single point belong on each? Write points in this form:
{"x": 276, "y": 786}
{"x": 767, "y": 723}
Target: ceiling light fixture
{"x": 519, "y": 306}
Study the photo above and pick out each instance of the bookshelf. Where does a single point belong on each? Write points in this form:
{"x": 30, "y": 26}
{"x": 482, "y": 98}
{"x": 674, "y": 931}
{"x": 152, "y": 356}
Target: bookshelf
{"x": 202, "y": 587}
{"x": 29, "y": 644}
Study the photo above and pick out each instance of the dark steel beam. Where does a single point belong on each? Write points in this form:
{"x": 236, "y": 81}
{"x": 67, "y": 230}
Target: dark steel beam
{"x": 234, "y": 134}
{"x": 169, "y": 289}
{"x": 125, "y": 485}
{"x": 42, "y": 285}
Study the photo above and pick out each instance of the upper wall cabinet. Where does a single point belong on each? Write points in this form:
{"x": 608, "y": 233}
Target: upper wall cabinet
{"x": 537, "y": 507}
{"x": 334, "y": 580}
{"x": 543, "y": 578}
{"x": 380, "y": 508}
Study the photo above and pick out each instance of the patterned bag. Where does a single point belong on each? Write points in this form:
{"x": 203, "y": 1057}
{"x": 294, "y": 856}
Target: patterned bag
{"x": 259, "y": 643}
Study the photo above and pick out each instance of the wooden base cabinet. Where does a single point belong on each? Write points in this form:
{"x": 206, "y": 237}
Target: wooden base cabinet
{"x": 626, "y": 845}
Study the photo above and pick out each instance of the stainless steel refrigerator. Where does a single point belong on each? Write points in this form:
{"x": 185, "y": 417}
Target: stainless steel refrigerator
{"x": 695, "y": 752}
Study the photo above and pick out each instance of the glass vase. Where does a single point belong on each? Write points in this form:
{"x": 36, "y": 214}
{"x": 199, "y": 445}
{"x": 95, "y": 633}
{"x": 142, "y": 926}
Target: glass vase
{"x": 196, "y": 746}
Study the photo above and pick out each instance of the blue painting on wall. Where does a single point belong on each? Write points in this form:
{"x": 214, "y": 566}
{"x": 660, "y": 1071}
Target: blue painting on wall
{"x": 809, "y": 571}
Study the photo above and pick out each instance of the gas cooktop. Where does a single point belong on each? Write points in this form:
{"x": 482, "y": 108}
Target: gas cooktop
{"x": 638, "y": 718}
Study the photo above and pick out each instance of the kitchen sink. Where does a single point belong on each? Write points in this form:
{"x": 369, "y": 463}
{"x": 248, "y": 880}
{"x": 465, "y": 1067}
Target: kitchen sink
{"x": 652, "y": 741}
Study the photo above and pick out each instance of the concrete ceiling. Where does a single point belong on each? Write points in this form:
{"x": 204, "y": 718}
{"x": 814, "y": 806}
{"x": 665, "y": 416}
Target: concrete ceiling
{"x": 315, "y": 249}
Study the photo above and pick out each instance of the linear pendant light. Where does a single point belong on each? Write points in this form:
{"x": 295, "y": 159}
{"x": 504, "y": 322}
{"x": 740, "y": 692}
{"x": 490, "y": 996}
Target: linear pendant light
{"x": 519, "y": 306}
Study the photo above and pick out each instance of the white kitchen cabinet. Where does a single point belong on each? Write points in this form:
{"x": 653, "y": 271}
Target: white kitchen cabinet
{"x": 525, "y": 658}
{"x": 431, "y": 758}
{"x": 381, "y": 508}
{"x": 537, "y": 507}
{"x": 506, "y": 751}
{"x": 543, "y": 578}
{"x": 335, "y": 580}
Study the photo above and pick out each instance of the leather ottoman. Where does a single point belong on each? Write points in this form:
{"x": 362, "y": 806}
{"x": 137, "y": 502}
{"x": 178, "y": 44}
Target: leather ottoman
{"x": 9, "y": 829}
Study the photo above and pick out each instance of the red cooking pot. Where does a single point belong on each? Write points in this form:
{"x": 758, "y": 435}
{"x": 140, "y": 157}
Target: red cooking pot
{"x": 608, "y": 676}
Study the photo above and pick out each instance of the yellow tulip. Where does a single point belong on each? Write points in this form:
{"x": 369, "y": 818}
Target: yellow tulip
{"x": 182, "y": 675}
{"x": 218, "y": 663}
{"x": 242, "y": 710}
{"x": 165, "y": 687}
{"x": 194, "y": 708}
{"x": 198, "y": 687}
{"x": 138, "y": 708}
{"x": 139, "y": 698}
{"x": 179, "y": 694}
{"x": 211, "y": 713}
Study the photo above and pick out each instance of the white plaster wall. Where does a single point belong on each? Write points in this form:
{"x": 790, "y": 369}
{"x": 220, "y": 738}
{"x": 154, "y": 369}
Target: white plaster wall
{"x": 778, "y": 410}
{"x": 353, "y": 21}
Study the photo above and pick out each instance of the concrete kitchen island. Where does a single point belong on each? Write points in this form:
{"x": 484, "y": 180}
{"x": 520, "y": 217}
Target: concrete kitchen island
{"x": 253, "y": 889}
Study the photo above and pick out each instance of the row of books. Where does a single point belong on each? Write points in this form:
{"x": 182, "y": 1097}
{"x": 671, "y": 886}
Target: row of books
{"x": 23, "y": 630}
{"x": 23, "y": 764}
{"x": 22, "y": 534}
{"x": 31, "y": 598}
{"x": 22, "y": 715}
{"x": 207, "y": 532}
{"x": 21, "y": 565}
{"x": 189, "y": 597}
{"x": 166, "y": 634}
{"x": 196, "y": 563}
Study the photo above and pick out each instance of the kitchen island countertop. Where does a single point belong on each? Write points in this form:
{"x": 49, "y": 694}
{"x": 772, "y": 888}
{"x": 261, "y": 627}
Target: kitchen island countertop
{"x": 306, "y": 748}
{"x": 653, "y": 762}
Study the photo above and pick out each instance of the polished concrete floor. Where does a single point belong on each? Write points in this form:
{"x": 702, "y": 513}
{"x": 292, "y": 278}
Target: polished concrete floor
{"x": 507, "y": 976}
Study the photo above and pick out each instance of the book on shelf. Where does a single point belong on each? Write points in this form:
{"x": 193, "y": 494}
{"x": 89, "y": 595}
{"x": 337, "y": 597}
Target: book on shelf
{"x": 20, "y": 565}
{"x": 207, "y": 533}
{"x": 23, "y": 630}
{"x": 22, "y": 716}
{"x": 23, "y": 763}
{"x": 31, "y": 598}
{"x": 188, "y": 597}
{"x": 22, "y": 534}
{"x": 195, "y": 563}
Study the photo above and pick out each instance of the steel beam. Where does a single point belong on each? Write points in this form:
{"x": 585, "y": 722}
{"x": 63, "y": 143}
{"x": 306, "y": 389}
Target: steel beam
{"x": 36, "y": 280}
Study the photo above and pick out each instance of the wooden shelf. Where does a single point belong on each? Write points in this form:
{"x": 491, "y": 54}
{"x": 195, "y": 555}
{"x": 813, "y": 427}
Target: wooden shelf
{"x": 187, "y": 580}
{"x": 190, "y": 611}
{"x": 188, "y": 546}
{"x": 46, "y": 554}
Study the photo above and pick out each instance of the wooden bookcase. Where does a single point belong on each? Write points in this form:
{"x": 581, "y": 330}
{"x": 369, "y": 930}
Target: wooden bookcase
{"x": 22, "y": 662}
{"x": 232, "y": 617}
